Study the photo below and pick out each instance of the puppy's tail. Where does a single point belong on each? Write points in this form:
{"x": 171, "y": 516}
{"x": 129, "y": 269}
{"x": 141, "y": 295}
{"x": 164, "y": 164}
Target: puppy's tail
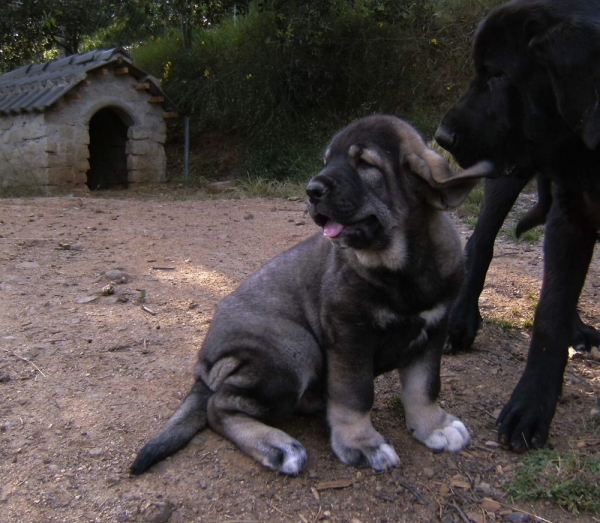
{"x": 189, "y": 418}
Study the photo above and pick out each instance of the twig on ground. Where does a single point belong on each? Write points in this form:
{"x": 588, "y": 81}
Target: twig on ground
{"x": 540, "y": 518}
{"x": 412, "y": 491}
{"x": 149, "y": 311}
{"x": 462, "y": 515}
{"x": 30, "y": 362}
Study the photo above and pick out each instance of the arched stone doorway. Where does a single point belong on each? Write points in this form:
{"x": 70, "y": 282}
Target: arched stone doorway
{"x": 107, "y": 148}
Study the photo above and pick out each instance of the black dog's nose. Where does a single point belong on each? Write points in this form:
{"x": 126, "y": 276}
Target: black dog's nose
{"x": 444, "y": 138}
{"x": 316, "y": 190}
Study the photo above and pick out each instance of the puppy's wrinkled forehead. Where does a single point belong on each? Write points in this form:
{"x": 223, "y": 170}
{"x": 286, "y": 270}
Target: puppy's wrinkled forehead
{"x": 368, "y": 153}
{"x": 374, "y": 145}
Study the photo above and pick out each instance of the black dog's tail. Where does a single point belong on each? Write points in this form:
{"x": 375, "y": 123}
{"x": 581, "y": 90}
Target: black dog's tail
{"x": 189, "y": 418}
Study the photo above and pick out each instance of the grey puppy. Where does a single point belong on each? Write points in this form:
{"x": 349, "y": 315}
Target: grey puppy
{"x": 313, "y": 327}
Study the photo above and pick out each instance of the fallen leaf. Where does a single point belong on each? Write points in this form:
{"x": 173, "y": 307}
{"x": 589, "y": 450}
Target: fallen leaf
{"x": 490, "y": 505}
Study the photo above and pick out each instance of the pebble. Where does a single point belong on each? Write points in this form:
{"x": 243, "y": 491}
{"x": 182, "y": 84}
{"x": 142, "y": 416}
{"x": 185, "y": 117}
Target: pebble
{"x": 428, "y": 472}
{"x": 158, "y": 512}
{"x": 219, "y": 187}
{"x": 198, "y": 440}
{"x": 29, "y": 265}
{"x": 117, "y": 276}
{"x": 86, "y": 299}
{"x": 30, "y": 353}
{"x": 518, "y": 518}
{"x": 96, "y": 452}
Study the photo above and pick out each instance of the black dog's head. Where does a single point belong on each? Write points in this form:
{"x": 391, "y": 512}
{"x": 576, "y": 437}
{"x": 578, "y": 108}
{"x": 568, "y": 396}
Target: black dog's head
{"x": 378, "y": 174}
{"x": 536, "y": 86}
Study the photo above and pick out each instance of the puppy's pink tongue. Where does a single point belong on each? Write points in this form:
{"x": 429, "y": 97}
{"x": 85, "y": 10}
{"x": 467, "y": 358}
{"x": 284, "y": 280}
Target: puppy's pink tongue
{"x": 332, "y": 229}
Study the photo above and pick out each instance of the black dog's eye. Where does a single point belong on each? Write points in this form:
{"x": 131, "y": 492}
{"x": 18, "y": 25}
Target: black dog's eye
{"x": 361, "y": 163}
{"x": 497, "y": 83}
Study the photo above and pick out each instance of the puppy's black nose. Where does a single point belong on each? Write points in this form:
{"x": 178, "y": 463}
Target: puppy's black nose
{"x": 316, "y": 190}
{"x": 444, "y": 138}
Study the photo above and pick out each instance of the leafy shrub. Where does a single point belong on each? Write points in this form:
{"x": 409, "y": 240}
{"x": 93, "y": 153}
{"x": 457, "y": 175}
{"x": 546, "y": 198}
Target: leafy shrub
{"x": 287, "y": 74}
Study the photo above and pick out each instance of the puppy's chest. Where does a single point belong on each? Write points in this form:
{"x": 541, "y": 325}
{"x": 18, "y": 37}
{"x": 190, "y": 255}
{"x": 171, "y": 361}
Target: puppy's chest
{"x": 402, "y": 336}
{"x": 411, "y": 325}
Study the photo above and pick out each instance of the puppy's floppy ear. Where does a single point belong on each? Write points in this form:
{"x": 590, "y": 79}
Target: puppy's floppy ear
{"x": 448, "y": 189}
{"x": 570, "y": 53}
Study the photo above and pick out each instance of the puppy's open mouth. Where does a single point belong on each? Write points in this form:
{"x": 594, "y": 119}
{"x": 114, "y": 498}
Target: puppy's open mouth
{"x": 333, "y": 229}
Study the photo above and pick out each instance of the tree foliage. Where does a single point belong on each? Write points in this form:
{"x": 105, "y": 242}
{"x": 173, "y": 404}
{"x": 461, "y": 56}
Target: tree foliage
{"x": 29, "y": 28}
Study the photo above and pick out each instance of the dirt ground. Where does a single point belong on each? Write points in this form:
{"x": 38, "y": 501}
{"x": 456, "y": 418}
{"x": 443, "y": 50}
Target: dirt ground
{"x": 87, "y": 379}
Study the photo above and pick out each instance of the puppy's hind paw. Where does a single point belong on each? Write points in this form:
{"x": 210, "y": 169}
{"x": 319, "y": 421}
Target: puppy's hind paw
{"x": 452, "y": 437}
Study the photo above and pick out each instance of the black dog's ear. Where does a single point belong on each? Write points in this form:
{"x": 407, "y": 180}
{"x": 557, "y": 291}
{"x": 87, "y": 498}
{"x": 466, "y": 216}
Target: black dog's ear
{"x": 448, "y": 189}
{"x": 570, "y": 52}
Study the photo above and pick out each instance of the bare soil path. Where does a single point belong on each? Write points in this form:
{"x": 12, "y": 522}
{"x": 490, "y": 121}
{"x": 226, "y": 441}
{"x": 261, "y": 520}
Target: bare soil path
{"x": 86, "y": 379}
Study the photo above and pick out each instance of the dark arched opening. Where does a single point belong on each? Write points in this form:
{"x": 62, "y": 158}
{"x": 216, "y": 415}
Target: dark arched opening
{"x": 108, "y": 157}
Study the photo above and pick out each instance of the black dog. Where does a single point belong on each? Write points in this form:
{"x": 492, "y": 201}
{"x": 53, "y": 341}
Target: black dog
{"x": 533, "y": 107}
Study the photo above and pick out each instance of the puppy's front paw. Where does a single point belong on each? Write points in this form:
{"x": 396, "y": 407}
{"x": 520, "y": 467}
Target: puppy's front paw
{"x": 437, "y": 429}
{"x": 379, "y": 456}
{"x": 452, "y": 437}
{"x": 285, "y": 457}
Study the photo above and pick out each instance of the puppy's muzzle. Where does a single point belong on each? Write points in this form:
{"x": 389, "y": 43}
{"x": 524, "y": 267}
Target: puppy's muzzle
{"x": 316, "y": 191}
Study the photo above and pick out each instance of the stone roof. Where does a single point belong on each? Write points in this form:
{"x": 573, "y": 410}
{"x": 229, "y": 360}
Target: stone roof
{"x": 36, "y": 87}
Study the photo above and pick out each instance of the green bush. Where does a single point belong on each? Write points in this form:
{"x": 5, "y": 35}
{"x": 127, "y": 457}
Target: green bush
{"x": 286, "y": 75}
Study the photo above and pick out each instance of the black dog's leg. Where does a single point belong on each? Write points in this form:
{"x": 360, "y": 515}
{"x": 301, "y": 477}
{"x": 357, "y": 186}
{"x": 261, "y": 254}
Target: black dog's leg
{"x": 524, "y": 422}
{"x": 465, "y": 319}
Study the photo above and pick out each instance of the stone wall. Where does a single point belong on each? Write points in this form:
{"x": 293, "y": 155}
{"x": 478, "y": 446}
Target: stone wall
{"x": 23, "y": 146}
{"x": 52, "y": 148}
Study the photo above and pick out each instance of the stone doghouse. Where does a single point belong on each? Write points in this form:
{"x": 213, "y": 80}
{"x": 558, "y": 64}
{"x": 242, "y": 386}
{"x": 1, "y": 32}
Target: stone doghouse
{"x": 92, "y": 120}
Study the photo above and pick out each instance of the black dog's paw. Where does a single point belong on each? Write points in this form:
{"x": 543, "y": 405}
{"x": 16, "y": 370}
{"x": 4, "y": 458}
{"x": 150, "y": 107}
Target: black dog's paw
{"x": 524, "y": 423}
{"x": 462, "y": 332}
